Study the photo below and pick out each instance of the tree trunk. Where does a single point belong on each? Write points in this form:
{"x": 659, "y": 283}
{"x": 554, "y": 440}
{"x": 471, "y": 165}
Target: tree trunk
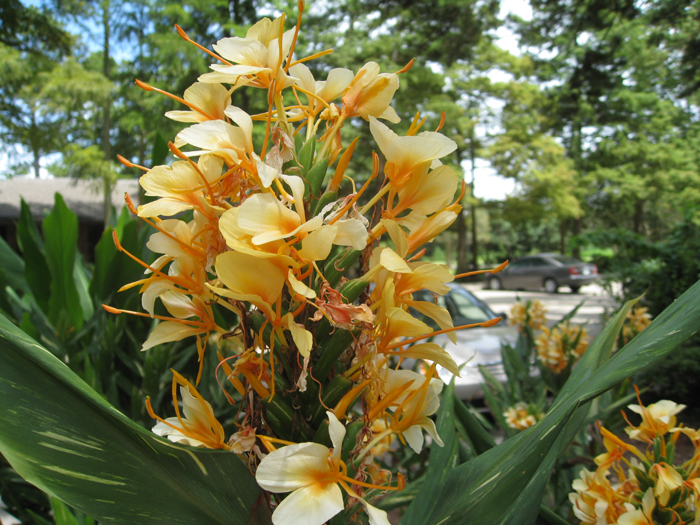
{"x": 35, "y": 150}
{"x": 562, "y": 236}
{"x": 106, "y": 145}
{"x": 472, "y": 205}
{"x": 462, "y": 263}
{"x": 638, "y": 221}
{"x": 576, "y": 252}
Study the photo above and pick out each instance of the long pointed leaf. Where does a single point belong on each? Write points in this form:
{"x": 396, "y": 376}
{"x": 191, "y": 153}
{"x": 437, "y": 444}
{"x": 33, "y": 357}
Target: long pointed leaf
{"x": 63, "y": 437}
{"x": 505, "y": 484}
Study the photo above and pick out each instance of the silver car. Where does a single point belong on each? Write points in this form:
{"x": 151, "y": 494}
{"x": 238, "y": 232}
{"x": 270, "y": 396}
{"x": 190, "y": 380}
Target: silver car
{"x": 475, "y": 346}
{"x": 546, "y": 270}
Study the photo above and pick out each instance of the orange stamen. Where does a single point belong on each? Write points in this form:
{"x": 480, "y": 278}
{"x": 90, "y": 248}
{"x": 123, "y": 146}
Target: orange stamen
{"x": 338, "y": 215}
{"x": 442, "y": 122}
{"x": 184, "y": 36}
{"x": 387, "y": 400}
{"x": 342, "y": 166}
{"x": 342, "y": 407}
{"x": 130, "y": 164}
{"x": 405, "y": 68}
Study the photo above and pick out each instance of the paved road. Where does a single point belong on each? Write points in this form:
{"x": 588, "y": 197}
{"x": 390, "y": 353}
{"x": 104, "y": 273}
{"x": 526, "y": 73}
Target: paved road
{"x": 558, "y": 305}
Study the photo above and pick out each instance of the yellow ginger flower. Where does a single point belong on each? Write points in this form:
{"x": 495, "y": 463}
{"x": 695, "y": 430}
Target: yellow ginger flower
{"x": 641, "y": 516}
{"x": 412, "y": 157}
{"x": 257, "y": 56}
{"x": 657, "y": 420}
{"x": 532, "y": 314}
{"x": 198, "y": 427}
{"x": 597, "y": 502}
{"x": 669, "y": 492}
{"x": 314, "y": 474}
{"x": 369, "y": 94}
{"x": 320, "y": 93}
{"x": 520, "y": 416}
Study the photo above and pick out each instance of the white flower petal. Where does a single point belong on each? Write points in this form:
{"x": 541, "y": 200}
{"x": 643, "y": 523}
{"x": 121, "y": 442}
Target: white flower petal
{"x": 292, "y": 467}
{"x": 313, "y": 505}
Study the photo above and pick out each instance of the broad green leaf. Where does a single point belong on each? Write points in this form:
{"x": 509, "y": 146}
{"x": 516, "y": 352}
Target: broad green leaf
{"x": 13, "y": 267}
{"x": 64, "y": 438}
{"x": 36, "y": 270}
{"x": 82, "y": 286}
{"x": 442, "y": 461}
{"x": 61, "y": 242}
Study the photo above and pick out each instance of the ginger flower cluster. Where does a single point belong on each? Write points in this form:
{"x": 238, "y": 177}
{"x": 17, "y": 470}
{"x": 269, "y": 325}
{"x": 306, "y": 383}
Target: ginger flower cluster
{"x": 521, "y": 416}
{"x": 530, "y": 314}
{"x": 642, "y": 487}
{"x": 257, "y": 225}
{"x": 560, "y": 347}
{"x": 636, "y": 320}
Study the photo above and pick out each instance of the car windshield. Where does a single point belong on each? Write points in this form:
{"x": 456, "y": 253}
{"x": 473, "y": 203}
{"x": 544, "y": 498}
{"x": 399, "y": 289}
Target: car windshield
{"x": 565, "y": 260}
{"x": 465, "y": 308}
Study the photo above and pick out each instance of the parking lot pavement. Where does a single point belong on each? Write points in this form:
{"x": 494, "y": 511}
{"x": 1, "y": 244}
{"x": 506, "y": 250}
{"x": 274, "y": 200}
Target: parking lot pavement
{"x": 557, "y": 305}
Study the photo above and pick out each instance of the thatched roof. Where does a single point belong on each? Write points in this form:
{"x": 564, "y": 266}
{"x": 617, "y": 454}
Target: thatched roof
{"x": 84, "y": 198}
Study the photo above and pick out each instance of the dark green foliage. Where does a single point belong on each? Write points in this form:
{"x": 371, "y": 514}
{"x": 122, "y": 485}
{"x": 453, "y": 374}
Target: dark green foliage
{"x": 676, "y": 378}
{"x": 660, "y": 270}
{"x": 28, "y": 28}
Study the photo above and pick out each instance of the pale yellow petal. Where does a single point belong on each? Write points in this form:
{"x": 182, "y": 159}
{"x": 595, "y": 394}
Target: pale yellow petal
{"x": 393, "y": 262}
{"x": 397, "y": 236}
{"x": 167, "y": 332}
{"x": 432, "y": 352}
{"x": 351, "y": 232}
{"x": 299, "y": 287}
{"x": 317, "y": 245}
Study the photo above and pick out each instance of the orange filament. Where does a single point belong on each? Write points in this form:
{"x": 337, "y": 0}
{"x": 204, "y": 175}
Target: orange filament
{"x": 199, "y": 110}
{"x": 300, "y": 8}
{"x": 497, "y": 269}
{"x": 155, "y": 271}
{"x": 229, "y": 374}
{"x": 312, "y": 57}
{"x": 485, "y": 324}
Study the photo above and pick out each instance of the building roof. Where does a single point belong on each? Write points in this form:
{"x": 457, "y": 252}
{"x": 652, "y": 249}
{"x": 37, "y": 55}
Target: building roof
{"x": 84, "y": 198}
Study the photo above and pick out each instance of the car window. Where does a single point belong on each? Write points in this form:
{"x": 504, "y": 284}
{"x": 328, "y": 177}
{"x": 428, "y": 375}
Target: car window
{"x": 563, "y": 259}
{"x": 522, "y": 263}
{"x": 464, "y": 308}
{"x": 538, "y": 261}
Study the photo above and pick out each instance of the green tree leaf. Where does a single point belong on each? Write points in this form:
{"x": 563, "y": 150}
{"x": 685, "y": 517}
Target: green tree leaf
{"x": 61, "y": 241}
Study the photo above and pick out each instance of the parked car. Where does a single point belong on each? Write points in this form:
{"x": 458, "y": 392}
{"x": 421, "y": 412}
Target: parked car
{"x": 475, "y": 346}
{"x": 546, "y": 270}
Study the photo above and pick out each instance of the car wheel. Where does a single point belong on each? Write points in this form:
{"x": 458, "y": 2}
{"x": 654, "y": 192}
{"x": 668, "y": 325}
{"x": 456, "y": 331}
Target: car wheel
{"x": 495, "y": 283}
{"x": 575, "y": 289}
{"x": 550, "y": 285}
